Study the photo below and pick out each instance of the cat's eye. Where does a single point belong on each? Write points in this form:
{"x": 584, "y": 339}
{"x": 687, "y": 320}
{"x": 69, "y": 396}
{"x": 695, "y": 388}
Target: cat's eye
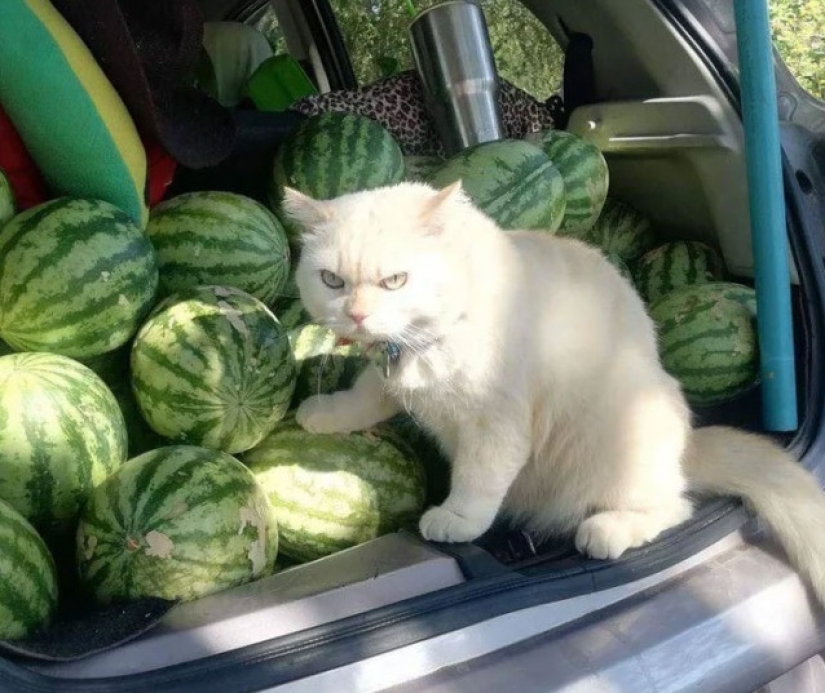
{"x": 332, "y": 280}
{"x": 396, "y": 281}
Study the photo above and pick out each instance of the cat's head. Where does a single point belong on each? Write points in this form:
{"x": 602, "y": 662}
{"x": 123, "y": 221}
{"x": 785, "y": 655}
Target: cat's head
{"x": 382, "y": 265}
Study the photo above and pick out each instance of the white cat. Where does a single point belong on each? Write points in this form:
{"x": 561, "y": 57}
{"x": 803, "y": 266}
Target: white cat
{"x": 534, "y": 363}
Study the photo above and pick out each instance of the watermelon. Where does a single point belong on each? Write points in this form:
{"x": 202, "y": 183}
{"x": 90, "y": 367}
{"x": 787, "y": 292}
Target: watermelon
{"x": 219, "y": 238}
{"x": 586, "y": 177}
{"x": 8, "y": 206}
{"x": 113, "y": 368}
{"x": 403, "y": 430}
{"x": 77, "y": 277}
{"x": 179, "y": 522}
{"x": 708, "y": 340}
{"x": 418, "y": 167}
{"x": 28, "y": 577}
{"x": 61, "y": 434}
{"x": 334, "y": 153}
{"x": 5, "y": 348}
{"x": 323, "y": 364}
{"x": 616, "y": 260}
{"x": 674, "y": 265}
{"x": 212, "y": 366}
{"x": 334, "y": 491}
{"x": 512, "y": 181}
{"x": 622, "y": 230}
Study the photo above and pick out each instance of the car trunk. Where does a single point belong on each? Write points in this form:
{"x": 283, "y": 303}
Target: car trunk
{"x": 675, "y": 150}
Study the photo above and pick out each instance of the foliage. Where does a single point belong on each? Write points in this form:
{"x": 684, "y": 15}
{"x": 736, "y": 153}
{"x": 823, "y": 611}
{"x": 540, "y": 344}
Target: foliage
{"x": 799, "y": 35}
{"x": 376, "y": 34}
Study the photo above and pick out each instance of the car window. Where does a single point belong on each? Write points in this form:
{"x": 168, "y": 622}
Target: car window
{"x": 375, "y": 32}
{"x": 799, "y": 35}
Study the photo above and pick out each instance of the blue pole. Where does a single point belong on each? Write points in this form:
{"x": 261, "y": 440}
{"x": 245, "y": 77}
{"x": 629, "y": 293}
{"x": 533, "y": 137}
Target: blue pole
{"x": 767, "y": 212}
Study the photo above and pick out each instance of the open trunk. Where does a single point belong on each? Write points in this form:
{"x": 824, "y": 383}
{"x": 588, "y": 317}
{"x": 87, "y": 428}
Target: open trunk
{"x": 667, "y": 119}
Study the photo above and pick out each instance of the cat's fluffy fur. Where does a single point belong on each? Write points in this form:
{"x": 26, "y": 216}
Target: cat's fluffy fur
{"x": 534, "y": 363}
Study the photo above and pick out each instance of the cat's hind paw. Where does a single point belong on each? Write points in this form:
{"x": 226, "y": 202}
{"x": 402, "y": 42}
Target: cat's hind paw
{"x": 442, "y": 524}
{"x": 322, "y": 414}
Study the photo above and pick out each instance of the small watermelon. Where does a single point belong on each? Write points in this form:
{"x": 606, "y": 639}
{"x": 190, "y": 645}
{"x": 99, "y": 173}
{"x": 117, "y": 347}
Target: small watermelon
{"x": 512, "y": 181}
{"x": 419, "y": 167}
{"x": 179, "y": 522}
{"x": 28, "y": 577}
{"x": 77, "y": 277}
{"x": 212, "y": 366}
{"x": 674, "y": 265}
{"x": 622, "y": 230}
{"x": 331, "y": 492}
{"x": 8, "y": 206}
{"x": 334, "y": 153}
{"x": 323, "y": 364}
{"x": 61, "y": 434}
{"x": 586, "y": 177}
{"x": 219, "y": 238}
{"x": 708, "y": 340}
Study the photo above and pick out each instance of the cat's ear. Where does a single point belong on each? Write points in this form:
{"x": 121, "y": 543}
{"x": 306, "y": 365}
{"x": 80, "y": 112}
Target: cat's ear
{"x": 446, "y": 196}
{"x": 305, "y": 211}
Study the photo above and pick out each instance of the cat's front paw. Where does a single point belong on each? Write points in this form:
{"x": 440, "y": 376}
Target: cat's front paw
{"x": 322, "y": 414}
{"x": 442, "y": 524}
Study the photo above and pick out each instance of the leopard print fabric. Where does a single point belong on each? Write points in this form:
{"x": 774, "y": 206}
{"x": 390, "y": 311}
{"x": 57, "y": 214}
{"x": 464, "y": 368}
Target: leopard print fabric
{"x": 398, "y": 103}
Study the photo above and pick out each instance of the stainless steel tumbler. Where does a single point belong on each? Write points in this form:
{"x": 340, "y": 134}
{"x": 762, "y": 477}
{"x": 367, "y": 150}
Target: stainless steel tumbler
{"x": 452, "y": 52}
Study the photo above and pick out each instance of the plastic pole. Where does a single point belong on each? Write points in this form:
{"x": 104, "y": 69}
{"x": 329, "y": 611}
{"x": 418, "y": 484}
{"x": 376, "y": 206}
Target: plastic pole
{"x": 767, "y": 212}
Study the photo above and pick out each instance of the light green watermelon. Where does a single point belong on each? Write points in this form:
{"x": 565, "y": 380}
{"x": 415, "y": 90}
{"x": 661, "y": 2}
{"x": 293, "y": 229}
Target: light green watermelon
{"x": 708, "y": 340}
{"x": 623, "y": 230}
{"x": 219, "y": 238}
{"x": 334, "y": 491}
{"x": 212, "y": 366}
{"x": 324, "y": 365}
{"x": 77, "y": 278}
{"x": 179, "y": 522}
{"x": 512, "y": 181}
{"x": 674, "y": 265}
{"x": 419, "y": 167}
{"x": 332, "y": 154}
{"x": 586, "y": 177}
{"x": 8, "y": 206}
{"x": 61, "y": 434}
{"x": 28, "y": 577}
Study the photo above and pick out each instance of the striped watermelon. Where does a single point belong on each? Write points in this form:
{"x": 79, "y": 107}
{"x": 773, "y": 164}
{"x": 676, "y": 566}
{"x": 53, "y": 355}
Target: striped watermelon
{"x": 419, "y": 167}
{"x": 512, "y": 181}
{"x": 28, "y": 577}
{"x": 179, "y": 522}
{"x": 622, "y": 230}
{"x": 113, "y": 368}
{"x": 8, "y": 206}
{"x": 61, "y": 434}
{"x": 323, "y": 365}
{"x": 708, "y": 340}
{"x": 219, "y": 238}
{"x": 334, "y": 153}
{"x": 77, "y": 277}
{"x": 674, "y": 265}
{"x": 616, "y": 260}
{"x": 331, "y": 492}
{"x": 212, "y": 366}
{"x": 585, "y": 173}
{"x": 5, "y": 348}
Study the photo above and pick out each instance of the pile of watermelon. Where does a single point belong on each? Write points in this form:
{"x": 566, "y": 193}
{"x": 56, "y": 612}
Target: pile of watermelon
{"x": 148, "y": 376}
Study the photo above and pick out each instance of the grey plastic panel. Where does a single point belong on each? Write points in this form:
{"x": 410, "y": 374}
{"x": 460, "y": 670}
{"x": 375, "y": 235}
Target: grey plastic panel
{"x": 673, "y": 141}
{"x": 384, "y": 571}
{"x": 730, "y": 625}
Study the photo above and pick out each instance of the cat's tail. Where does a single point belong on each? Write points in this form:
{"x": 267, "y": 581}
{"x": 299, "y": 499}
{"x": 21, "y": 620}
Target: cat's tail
{"x": 785, "y": 495}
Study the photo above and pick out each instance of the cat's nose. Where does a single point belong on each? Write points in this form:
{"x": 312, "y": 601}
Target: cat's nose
{"x": 357, "y": 316}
